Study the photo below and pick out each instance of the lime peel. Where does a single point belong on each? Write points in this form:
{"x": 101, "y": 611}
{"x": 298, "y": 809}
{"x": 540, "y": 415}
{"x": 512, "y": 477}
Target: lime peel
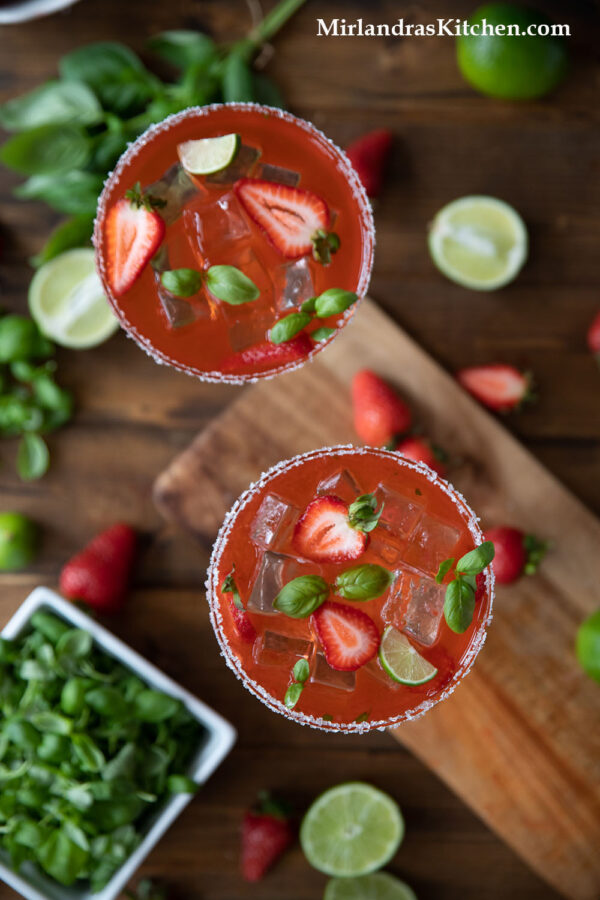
{"x": 377, "y": 886}
{"x": 207, "y": 156}
{"x": 401, "y": 661}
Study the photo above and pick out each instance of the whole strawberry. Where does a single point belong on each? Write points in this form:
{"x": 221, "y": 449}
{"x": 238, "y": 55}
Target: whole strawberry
{"x": 380, "y": 414}
{"x": 369, "y": 154}
{"x": 421, "y": 449}
{"x": 498, "y": 386}
{"x": 516, "y": 554}
{"x": 100, "y": 573}
{"x": 266, "y": 833}
{"x": 593, "y": 336}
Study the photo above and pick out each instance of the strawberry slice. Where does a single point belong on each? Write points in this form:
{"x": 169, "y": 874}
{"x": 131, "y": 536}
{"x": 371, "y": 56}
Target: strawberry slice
{"x": 265, "y": 355}
{"x": 349, "y": 637}
{"x": 295, "y": 221}
{"x": 324, "y": 534}
{"x": 499, "y": 387}
{"x": 134, "y": 232}
{"x": 368, "y": 154}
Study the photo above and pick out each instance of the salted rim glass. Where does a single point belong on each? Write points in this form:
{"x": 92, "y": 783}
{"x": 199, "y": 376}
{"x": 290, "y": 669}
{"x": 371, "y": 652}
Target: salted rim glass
{"x": 214, "y": 594}
{"x": 342, "y": 163}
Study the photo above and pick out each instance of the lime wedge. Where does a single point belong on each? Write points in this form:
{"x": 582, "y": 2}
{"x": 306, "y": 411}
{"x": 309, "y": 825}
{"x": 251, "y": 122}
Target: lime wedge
{"x": 352, "y": 829}
{"x": 379, "y": 886}
{"x": 208, "y": 155}
{"x": 479, "y": 242}
{"x": 401, "y": 661}
{"x": 67, "y": 301}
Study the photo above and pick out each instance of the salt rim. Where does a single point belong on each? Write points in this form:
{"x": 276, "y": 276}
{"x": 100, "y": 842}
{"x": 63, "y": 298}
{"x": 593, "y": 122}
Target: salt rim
{"x": 216, "y": 617}
{"x": 342, "y": 163}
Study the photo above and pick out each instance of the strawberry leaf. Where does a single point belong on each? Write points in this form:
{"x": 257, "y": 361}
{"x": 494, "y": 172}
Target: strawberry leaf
{"x": 363, "y": 514}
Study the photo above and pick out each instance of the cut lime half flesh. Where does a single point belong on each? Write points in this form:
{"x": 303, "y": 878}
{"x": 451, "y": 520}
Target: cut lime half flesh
{"x": 378, "y": 886}
{"x": 401, "y": 661}
{"x": 208, "y": 155}
{"x": 479, "y": 242}
{"x": 352, "y": 829}
{"x": 67, "y": 301}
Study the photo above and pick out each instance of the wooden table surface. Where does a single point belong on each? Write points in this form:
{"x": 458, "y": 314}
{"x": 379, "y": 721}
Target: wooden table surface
{"x": 133, "y": 416}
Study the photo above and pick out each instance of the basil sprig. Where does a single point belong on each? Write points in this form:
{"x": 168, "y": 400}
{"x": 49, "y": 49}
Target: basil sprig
{"x": 363, "y": 514}
{"x": 226, "y": 283}
{"x": 331, "y": 302}
{"x": 334, "y": 301}
{"x": 459, "y": 602}
{"x": 302, "y": 596}
{"x": 300, "y": 674}
{"x": 181, "y": 282}
{"x": 364, "y": 582}
{"x": 288, "y": 327}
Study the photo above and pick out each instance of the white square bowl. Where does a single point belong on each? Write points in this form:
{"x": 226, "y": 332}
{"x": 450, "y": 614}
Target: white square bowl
{"x": 219, "y": 739}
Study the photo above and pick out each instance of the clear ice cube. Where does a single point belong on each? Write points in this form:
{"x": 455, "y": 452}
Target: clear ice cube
{"x": 176, "y": 188}
{"x": 272, "y": 526}
{"x": 431, "y": 543}
{"x": 375, "y": 669}
{"x": 273, "y": 571}
{"x": 392, "y": 611}
{"x": 325, "y": 675}
{"x": 293, "y": 284}
{"x": 424, "y": 607}
{"x": 276, "y": 173}
{"x": 249, "y": 323}
{"x": 241, "y": 166}
{"x": 342, "y": 484}
{"x": 400, "y": 515}
{"x": 177, "y": 310}
{"x": 211, "y": 226}
{"x": 385, "y": 553}
{"x": 274, "y": 649}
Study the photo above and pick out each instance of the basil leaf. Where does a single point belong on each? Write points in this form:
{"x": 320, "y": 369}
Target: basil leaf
{"x": 61, "y": 858}
{"x": 181, "y": 282}
{"x": 285, "y": 329}
{"x": 20, "y": 338}
{"x": 181, "y": 784}
{"x": 301, "y": 596}
{"x": 114, "y": 73}
{"x": 334, "y": 301}
{"x": 107, "y": 701}
{"x": 73, "y": 233}
{"x": 301, "y": 671}
{"x": 47, "y": 150}
{"x": 231, "y": 285}
{"x": 267, "y": 92}
{"x": 75, "y": 642}
{"x": 154, "y": 706}
{"x": 322, "y": 334}
{"x": 364, "y": 582}
{"x": 309, "y": 305}
{"x": 52, "y": 722}
{"x": 587, "y": 645}
{"x": 292, "y": 695}
{"x": 54, "y": 102}
{"x": 476, "y": 560}
{"x": 184, "y": 48}
{"x": 88, "y": 753}
{"x": 459, "y": 605}
{"x": 444, "y": 569}
{"x": 237, "y": 82}
{"x": 75, "y": 193}
{"x": 33, "y": 457}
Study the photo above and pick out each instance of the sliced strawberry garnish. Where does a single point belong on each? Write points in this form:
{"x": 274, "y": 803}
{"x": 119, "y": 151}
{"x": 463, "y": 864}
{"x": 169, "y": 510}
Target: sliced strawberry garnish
{"x": 324, "y": 534}
{"x": 295, "y": 221}
{"x": 498, "y": 386}
{"x": 349, "y": 637}
{"x": 368, "y": 154}
{"x": 266, "y": 354}
{"x": 134, "y": 232}
{"x": 380, "y": 414}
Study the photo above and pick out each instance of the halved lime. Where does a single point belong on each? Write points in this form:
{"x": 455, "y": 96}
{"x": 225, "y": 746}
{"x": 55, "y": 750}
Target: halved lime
{"x": 401, "y": 661}
{"x": 67, "y": 301}
{"x": 352, "y": 829}
{"x": 479, "y": 242}
{"x": 379, "y": 886}
{"x": 208, "y": 155}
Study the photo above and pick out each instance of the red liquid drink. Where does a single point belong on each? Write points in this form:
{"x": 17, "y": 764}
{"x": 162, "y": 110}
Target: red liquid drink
{"x": 207, "y": 225}
{"x": 424, "y": 521}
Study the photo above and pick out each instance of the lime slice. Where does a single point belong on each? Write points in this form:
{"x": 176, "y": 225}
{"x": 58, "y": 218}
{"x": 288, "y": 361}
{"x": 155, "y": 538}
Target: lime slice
{"x": 67, "y": 301}
{"x": 479, "y": 242}
{"x": 208, "y": 155}
{"x": 401, "y": 661}
{"x": 379, "y": 886}
{"x": 352, "y": 829}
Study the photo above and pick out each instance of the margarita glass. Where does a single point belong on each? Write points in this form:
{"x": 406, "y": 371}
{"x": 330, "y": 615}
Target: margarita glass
{"x": 208, "y": 222}
{"x": 293, "y": 523}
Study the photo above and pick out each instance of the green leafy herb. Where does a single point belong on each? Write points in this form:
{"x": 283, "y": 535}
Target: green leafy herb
{"x": 237, "y": 79}
{"x": 327, "y": 718}
{"x": 459, "y": 601}
{"x": 363, "y": 514}
{"x": 74, "y": 193}
{"x": 362, "y": 717}
{"x": 230, "y": 587}
{"x": 292, "y": 695}
{"x": 182, "y": 282}
{"x": 334, "y": 301}
{"x": 231, "y": 285}
{"x": 139, "y": 198}
{"x": 302, "y": 596}
{"x": 55, "y": 102}
{"x": 301, "y": 671}
{"x": 444, "y": 569}
{"x": 285, "y": 329}
{"x": 587, "y": 645}
{"x": 325, "y": 244}
{"x": 72, "y": 233}
{"x": 476, "y": 560}
{"x": 47, "y": 150}
{"x": 185, "y": 48}
{"x": 322, "y": 334}
{"x": 33, "y": 457}
{"x": 309, "y": 305}
{"x": 536, "y": 550}
{"x": 365, "y": 582}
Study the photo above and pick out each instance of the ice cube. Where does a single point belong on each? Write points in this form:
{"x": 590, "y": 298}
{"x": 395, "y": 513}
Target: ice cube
{"x": 386, "y": 554}
{"x": 325, "y": 675}
{"x": 424, "y": 607}
{"x": 249, "y": 323}
{"x": 392, "y": 611}
{"x": 375, "y": 669}
{"x": 431, "y": 543}
{"x": 273, "y": 523}
{"x": 177, "y": 310}
{"x": 176, "y": 188}
{"x": 342, "y": 484}
{"x": 211, "y": 226}
{"x": 293, "y": 284}
{"x": 273, "y": 571}
{"x": 273, "y": 649}
{"x": 276, "y": 173}
{"x": 399, "y": 516}
{"x": 241, "y": 166}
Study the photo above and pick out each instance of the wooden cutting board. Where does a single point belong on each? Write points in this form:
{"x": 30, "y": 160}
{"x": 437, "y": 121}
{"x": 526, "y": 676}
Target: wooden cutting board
{"x": 519, "y": 740}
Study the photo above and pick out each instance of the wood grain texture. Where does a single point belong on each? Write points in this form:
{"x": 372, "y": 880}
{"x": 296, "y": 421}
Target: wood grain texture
{"x": 515, "y": 740}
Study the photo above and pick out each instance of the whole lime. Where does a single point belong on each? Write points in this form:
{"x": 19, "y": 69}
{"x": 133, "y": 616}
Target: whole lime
{"x": 587, "y": 645}
{"x": 511, "y": 66}
{"x": 18, "y": 541}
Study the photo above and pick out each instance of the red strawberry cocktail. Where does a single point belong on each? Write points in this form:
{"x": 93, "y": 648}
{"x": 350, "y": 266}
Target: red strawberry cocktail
{"x": 233, "y": 241}
{"x": 350, "y": 588}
